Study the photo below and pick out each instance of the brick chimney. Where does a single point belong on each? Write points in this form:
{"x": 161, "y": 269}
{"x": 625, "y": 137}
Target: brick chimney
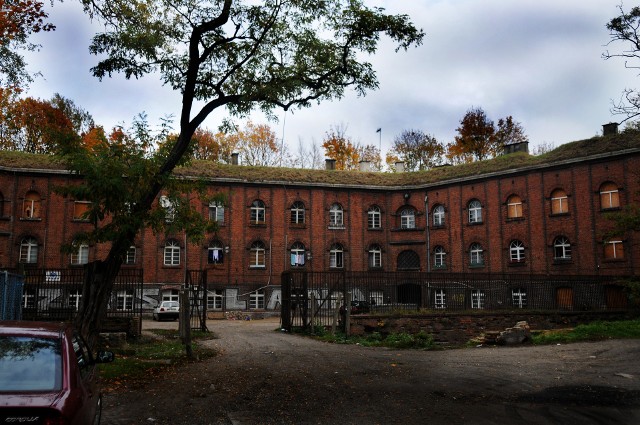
{"x": 234, "y": 158}
{"x": 609, "y": 129}
{"x": 399, "y": 167}
{"x": 365, "y": 166}
{"x": 330, "y": 164}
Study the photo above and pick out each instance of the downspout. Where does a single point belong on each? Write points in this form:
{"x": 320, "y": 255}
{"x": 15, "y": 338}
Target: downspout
{"x": 426, "y": 212}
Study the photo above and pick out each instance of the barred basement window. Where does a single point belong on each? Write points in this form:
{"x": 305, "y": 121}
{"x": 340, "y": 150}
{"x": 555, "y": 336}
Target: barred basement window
{"x": 519, "y": 296}
{"x": 440, "y": 298}
{"x": 477, "y": 299}
{"x": 408, "y": 260}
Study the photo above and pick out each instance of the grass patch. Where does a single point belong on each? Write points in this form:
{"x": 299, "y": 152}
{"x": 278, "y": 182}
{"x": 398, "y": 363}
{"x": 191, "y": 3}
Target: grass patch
{"x": 420, "y": 340}
{"x": 140, "y": 361}
{"x": 595, "y": 331}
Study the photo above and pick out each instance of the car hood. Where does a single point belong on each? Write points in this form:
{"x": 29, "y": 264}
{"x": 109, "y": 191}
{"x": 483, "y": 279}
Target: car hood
{"x": 30, "y": 400}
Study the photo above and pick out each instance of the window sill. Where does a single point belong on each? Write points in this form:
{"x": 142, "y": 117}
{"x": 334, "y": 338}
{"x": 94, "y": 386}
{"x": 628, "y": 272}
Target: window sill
{"x": 476, "y": 223}
{"x": 375, "y": 229}
{"x": 257, "y": 267}
{"x": 412, "y": 229}
{"x": 168, "y": 266}
{"x": 336, "y": 227}
{"x": 514, "y": 219}
{"x": 257, "y": 224}
{"x": 566, "y": 214}
{"x": 438, "y": 268}
{"x": 562, "y": 261}
{"x": 26, "y": 218}
{"x": 517, "y": 263}
{"x": 376, "y": 269}
{"x": 439, "y": 226}
{"x": 612, "y": 209}
{"x": 476, "y": 266}
{"x": 298, "y": 226}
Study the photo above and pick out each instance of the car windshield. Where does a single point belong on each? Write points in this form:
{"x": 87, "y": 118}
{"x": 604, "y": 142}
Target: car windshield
{"x": 30, "y": 364}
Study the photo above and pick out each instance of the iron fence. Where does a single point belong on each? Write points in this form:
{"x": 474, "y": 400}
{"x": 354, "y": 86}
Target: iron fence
{"x": 196, "y": 284}
{"x": 10, "y": 296}
{"x": 56, "y": 294}
{"x": 315, "y": 297}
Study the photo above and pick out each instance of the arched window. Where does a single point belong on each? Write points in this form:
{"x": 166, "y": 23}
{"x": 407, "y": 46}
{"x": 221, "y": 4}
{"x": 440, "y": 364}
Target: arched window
{"x": 297, "y": 254}
{"x": 28, "y": 251}
{"x": 336, "y": 256}
{"x": 297, "y": 213}
{"x": 439, "y": 257}
{"x": 559, "y": 202}
{"x": 561, "y": 248}
{"x": 438, "y": 216}
{"x": 476, "y": 255}
{"x": 516, "y": 251}
{"x": 609, "y": 196}
{"x": 374, "y": 217}
{"x": 172, "y": 253}
{"x": 514, "y": 207}
{"x": 336, "y": 216}
{"x": 475, "y": 212}
{"x": 375, "y": 256}
{"x": 258, "y": 255}
{"x": 31, "y": 205}
{"x": 258, "y": 212}
{"x": 80, "y": 255}
{"x": 215, "y": 252}
{"x": 408, "y": 218}
{"x": 408, "y": 260}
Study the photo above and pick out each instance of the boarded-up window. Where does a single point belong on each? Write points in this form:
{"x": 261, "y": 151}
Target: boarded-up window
{"x": 609, "y": 196}
{"x": 80, "y": 210}
{"x": 559, "y": 202}
{"x": 614, "y": 250}
{"x": 514, "y": 207}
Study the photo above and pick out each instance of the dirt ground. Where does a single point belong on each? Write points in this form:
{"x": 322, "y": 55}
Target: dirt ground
{"x": 263, "y": 376}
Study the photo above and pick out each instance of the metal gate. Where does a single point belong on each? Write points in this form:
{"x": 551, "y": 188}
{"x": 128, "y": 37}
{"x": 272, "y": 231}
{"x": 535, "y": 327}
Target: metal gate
{"x": 196, "y": 284}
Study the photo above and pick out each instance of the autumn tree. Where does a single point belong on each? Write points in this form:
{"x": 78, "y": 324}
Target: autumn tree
{"x": 258, "y": 146}
{"x": 210, "y": 146}
{"x": 339, "y": 147}
{"x": 233, "y": 54}
{"x": 19, "y": 19}
{"x": 418, "y": 151}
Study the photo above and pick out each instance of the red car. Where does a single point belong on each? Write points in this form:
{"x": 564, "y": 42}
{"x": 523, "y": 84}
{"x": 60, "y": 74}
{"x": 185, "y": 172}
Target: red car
{"x": 48, "y": 376}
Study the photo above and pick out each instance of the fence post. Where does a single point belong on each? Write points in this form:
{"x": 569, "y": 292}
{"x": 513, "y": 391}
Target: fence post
{"x": 313, "y": 313}
{"x": 347, "y": 314}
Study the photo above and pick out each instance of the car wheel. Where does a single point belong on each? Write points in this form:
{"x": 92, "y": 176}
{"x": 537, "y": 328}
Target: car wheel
{"x": 98, "y": 417}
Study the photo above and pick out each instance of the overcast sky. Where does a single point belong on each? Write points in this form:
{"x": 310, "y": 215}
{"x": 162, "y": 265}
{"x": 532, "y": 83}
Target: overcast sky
{"x": 536, "y": 60}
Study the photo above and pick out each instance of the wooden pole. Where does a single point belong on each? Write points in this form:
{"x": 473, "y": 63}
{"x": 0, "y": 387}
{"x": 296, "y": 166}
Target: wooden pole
{"x": 185, "y": 323}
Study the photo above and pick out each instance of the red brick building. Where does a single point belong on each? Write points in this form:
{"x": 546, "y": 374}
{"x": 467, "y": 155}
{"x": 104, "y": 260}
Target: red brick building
{"x": 514, "y": 214}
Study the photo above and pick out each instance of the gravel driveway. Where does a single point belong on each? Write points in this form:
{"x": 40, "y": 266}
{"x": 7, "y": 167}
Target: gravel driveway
{"x": 263, "y": 376}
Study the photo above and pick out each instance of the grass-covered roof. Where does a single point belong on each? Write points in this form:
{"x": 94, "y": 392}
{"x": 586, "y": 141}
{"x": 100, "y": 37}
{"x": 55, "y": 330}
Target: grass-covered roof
{"x": 210, "y": 170}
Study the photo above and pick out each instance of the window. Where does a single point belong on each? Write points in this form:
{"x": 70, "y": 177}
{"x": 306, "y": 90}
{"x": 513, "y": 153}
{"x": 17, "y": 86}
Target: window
{"x": 438, "y": 216}
{"x": 514, "y": 207}
{"x": 609, "y": 196}
{"x": 408, "y": 219}
{"x": 297, "y": 254}
{"x": 124, "y": 300}
{"x": 559, "y": 202}
{"x": 170, "y": 211}
{"x": 408, "y": 260}
{"x": 614, "y": 250}
{"x": 81, "y": 255}
{"x": 75, "y": 297}
{"x": 172, "y": 253}
{"x": 31, "y": 205}
{"x": 476, "y": 255}
{"x": 336, "y": 216}
{"x": 477, "y": 298}
{"x": 81, "y": 210}
{"x": 171, "y": 295}
{"x": 256, "y": 299}
{"x": 440, "y": 298}
{"x": 336, "y": 256}
{"x": 439, "y": 257}
{"x": 516, "y": 251}
{"x": 561, "y": 249}
{"x": 214, "y": 299}
{"x": 374, "y": 217}
{"x": 28, "y": 251}
{"x": 258, "y": 212}
{"x": 215, "y": 253}
{"x": 475, "y": 212}
{"x": 216, "y": 212}
{"x": 258, "y": 255}
{"x": 519, "y": 297}
{"x": 375, "y": 256}
{"x": 130, "y": 256}
{"x": 297, "y": 213}
{"x": 29, "y": 298}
